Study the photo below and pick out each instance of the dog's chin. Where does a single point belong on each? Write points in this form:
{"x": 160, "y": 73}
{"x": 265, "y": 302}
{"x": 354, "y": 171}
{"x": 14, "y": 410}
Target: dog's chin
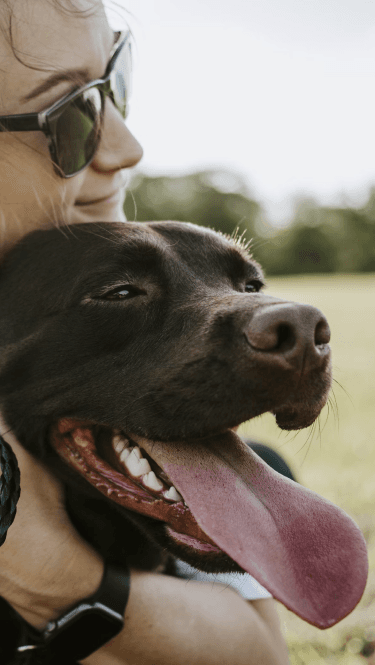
{"x": 297, "y": 416}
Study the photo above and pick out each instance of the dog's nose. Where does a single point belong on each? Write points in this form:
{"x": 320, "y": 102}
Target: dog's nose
{"x": 289, "y": 329}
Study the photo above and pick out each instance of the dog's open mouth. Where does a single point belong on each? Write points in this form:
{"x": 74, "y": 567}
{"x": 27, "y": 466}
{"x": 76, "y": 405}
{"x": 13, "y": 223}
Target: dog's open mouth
{"x": 128, "y": 475}
{"x": 216, "y": 495}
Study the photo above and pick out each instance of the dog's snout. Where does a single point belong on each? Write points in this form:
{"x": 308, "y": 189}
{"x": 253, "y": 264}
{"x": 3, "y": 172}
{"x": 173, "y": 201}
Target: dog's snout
{"x": 288, "y": 329}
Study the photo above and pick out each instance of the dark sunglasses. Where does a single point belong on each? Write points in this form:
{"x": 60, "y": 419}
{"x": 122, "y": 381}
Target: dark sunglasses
{"x": 73, "y": 124}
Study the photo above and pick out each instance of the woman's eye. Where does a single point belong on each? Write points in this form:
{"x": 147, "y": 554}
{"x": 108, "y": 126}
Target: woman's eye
{"x": 123, "y": 293}
{"x": 253, "y": 287}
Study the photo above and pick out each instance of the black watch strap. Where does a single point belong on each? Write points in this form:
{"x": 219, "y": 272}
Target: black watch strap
{"x": 87, "y": 626}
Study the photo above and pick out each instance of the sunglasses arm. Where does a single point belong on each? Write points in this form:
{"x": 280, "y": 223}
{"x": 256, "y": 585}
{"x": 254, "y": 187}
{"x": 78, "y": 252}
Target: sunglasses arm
{"x": 26, "y": 122}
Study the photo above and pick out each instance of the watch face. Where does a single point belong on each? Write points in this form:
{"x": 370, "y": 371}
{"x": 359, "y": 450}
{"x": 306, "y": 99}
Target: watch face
{"x": 85, "y": 633}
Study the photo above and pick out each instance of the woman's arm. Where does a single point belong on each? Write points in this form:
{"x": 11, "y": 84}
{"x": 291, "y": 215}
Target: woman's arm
{"x": 170, "y": 621}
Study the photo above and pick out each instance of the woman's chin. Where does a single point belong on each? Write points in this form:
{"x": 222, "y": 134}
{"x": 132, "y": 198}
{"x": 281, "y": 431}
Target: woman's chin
{"x": 110, "y": 210}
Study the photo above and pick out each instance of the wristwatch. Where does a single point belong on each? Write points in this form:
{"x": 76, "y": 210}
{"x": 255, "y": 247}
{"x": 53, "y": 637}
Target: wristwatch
{"x": 87, "y": 626}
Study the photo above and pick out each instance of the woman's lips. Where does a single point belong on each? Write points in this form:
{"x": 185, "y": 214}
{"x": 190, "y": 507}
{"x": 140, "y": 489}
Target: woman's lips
{"x": 112, "y": 198}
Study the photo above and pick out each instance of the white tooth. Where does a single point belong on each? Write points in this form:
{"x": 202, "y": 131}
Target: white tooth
{"x": 172, "y": 494}
{"x": 125, "y": 454}
{"x": 119, "y": 443}
{"x": 151, "y": 481}
{"x": 137, "y": 452}
{"x": 119, "y": 446}
{"x": 143, "y": 467}
{"x": 135, "y": 465}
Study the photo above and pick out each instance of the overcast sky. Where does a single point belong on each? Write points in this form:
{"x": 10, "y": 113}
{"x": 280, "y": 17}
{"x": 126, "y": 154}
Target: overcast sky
{"x": 280, "y": 91}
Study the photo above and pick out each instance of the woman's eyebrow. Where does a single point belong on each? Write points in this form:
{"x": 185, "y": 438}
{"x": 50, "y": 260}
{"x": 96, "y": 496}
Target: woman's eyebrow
{"x": 76, "y": 76}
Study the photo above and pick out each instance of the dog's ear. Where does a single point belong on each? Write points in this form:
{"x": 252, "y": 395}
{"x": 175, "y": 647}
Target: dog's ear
{"x": 11, "y": 358}
{"x": 16, "y": 361}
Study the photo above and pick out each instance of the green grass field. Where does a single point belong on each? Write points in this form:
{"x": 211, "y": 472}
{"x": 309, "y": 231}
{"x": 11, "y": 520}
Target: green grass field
{"x": 338, "y": 462}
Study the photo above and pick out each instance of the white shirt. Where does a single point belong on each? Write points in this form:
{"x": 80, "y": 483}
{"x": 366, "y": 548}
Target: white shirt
{"x": 244, "y": 583}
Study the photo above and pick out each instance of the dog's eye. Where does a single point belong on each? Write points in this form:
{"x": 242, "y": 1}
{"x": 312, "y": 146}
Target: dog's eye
{"x": 253, "y": 287}
{"x": 123, "y": 293}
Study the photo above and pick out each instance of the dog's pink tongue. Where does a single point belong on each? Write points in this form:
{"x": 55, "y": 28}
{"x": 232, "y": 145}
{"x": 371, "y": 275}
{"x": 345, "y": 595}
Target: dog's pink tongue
{"x": 306, "y": 551}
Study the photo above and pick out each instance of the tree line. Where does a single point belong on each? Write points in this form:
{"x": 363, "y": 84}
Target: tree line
{"x": 318, "y": 239}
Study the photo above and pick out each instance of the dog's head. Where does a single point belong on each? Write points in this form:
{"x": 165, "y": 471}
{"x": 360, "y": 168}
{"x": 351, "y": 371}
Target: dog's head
{"x": 130, "y": 351}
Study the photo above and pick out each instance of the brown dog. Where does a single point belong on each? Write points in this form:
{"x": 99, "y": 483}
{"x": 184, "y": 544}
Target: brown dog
{"x": 128, "y": 352}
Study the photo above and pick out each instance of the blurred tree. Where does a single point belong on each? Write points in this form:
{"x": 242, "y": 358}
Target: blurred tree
{"x": 296, "y": 250}
{"x": 354, "y": 240}
{"x": 194, "y": 198}
{"x": 323, "y": 240}
{"x": 319, "y": 239}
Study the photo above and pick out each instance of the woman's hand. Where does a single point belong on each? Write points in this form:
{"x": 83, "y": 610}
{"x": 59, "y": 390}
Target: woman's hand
{"x": 45, "y": 565}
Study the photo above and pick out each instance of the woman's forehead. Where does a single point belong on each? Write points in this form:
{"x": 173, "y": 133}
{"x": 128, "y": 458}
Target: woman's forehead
{"x": 52, "y": 39}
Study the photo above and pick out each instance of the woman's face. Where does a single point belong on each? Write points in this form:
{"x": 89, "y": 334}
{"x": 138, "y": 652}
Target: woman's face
{"x": 31, "y": 193}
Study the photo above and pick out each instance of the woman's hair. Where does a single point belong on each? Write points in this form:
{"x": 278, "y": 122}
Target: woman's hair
{"x": 64, "y": 6}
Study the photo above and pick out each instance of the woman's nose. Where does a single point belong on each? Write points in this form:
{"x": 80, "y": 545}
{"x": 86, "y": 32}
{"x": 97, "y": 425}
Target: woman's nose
{"x": 118, "y": 148}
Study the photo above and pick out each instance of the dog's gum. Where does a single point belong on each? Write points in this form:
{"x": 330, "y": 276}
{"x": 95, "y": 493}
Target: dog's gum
{"x": 81, "y": 439}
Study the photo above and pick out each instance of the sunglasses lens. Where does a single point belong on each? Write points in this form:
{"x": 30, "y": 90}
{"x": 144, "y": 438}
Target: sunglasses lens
{"x": 121, "y": 78}
{"x": 78, "y": 131}
{"x": 77, "y": 128}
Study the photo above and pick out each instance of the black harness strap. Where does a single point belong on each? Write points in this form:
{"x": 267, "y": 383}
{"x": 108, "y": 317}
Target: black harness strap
{"x": 9, "y": 488}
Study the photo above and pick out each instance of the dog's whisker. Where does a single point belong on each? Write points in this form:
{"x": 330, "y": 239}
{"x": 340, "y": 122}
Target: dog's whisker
{"x": 332, "y": 404}
{"x": 310, "y": 436}
{"x": 344, "y": 390}
{"x": 236, "y": 240}
{"x": 320, "y": 431}
{"x": 329, "y": 409}
{"x": 130, "y": 192}
{"x": 332, "y": 407}
{"x": 333, "y": 400}
{"x": 309, "y": 441}
{"x": 239, "y": 239}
